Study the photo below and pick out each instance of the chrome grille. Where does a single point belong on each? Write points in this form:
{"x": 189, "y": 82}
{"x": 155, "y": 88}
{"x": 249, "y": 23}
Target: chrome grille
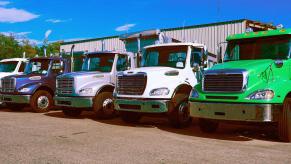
{"x": 131, "y": 84}
{"x": 8, "y": 85}
{"x": 224, "y": 82}
{"x": 65, "y": 86}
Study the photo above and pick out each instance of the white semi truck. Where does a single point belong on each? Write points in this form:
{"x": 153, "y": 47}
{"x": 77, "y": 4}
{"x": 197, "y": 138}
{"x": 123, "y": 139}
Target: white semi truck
{"x": 162, "y": 84}
{"x": 92, "y": 88}
{"x": 13, "y": 66}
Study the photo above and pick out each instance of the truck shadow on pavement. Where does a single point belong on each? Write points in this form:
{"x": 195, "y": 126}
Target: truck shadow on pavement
{"x": 230, "y": 132}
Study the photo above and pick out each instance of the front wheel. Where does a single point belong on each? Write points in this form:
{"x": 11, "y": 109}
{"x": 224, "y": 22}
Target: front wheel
{"x": 103, "y": 105}
{"x": 208, "y": 126}
{"x": 180, "y": 117}
{"x": 130, "y": 117}
{"x": 72, "y": 113}
{"x": 41, "y": 101}
{"x": 284, "y": 122}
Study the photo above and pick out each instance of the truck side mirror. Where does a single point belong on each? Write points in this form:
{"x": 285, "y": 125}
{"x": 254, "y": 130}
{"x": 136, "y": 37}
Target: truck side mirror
{"x": 219, "y": 54}
{"x": 195, "y": 67}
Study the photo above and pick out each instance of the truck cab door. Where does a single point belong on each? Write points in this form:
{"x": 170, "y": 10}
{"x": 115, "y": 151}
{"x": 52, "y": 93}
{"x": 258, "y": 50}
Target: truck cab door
{"x": 57, "y": 68}
{"x": 122, "y": 64}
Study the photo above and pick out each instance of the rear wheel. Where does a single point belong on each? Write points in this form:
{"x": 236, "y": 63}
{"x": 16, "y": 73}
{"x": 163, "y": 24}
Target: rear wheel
{"x": 130, "y": 117}
{"x": 208, "y": 126}
{"x": 103, "y": 105}
{"x": 72, "y": 113}
{"x": 284, "y": 122}
{"x": 41, "y": 101}
{"x": 180, "y": 117}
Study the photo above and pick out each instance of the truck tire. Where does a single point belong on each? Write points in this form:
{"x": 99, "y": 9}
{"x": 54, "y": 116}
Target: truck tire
{"x": 208, "y": 126}
{"x": 180, "y": 116}
{"x": 103, "y": 105}
{"x": 41, "y": 101}
{"x": 130, "y": 117}
{"x": 14, "y": 107}
{"x": 284, "y": 122}
{"x": 72, "y": 113}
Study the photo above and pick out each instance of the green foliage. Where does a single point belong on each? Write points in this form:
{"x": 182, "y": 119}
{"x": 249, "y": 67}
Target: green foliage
{"x": 11, "y": 48}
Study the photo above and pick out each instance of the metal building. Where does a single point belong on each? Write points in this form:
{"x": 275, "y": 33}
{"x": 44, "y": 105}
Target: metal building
{"x": 209, "y": 34}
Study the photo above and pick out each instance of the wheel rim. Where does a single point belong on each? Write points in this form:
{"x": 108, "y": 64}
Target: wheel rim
{"x": 108, "y": 107}
{"x": 183, "y": 112}
{"x": 43, "y": 102}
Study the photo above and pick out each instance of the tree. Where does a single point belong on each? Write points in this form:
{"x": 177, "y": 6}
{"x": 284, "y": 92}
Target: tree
{"x": 9, "y": 47}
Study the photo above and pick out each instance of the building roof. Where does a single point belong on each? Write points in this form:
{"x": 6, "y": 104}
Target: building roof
{"x": 248, "y": 35}
{"x": 165, "y": 29}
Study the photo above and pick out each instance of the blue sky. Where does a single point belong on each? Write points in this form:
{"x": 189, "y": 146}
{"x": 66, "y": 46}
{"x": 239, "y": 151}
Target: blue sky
{"x": 68, "y": 19}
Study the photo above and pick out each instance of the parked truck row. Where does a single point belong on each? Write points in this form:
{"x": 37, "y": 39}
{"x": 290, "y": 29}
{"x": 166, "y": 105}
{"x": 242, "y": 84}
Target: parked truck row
{"x": 251, "y": 83}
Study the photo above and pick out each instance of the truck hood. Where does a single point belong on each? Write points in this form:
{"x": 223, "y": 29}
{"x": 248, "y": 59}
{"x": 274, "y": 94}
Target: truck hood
{"x": 159, "y": 77}
{"x": 261, "y": 74}
{"x": 151, "y": 70}
{"x": 3, "y": 74}
{"x": 84, "y": 80}
{"x": 26, "y": 80}
{"x": 249, "y": 65}
{"x": 79, "y": 74}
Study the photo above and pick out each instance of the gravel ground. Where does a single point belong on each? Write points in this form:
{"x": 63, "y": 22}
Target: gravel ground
{"x": 27, "y": 137}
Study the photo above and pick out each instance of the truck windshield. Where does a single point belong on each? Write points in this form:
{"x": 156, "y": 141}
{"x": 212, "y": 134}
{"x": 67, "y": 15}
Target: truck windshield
{"x": 170, "y": 56}
{"x": 38, "y": 66}
{"x": 8, "y": 66}
{"x": 259, "y": 48}
{"x": 98, "y": 62}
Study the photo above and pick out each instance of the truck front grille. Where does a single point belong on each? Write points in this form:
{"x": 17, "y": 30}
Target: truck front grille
{"x": 8, "y": 85}
{"x": 224, "y": 82}
{"x": 131, "y": 84}
{"x": 65, "y": 86}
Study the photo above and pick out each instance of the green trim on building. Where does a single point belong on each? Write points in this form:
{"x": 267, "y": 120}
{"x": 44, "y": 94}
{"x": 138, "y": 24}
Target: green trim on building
{"x": 249, "y": 35}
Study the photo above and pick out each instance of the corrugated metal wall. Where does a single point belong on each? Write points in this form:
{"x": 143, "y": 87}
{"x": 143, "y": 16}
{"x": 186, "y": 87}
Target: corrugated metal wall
{"x": 91, "y": 46}
{"x": 210, "y": 35}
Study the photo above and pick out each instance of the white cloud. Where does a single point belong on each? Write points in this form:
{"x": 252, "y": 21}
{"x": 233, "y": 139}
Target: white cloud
{"x": 57, "y": 20}
{"x": 4, "y": 3}
{"x": 125, "y": 27}
{"x": 13, "y": 15}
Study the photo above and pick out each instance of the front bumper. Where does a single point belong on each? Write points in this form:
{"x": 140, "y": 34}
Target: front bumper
{"x": 74, "y": 102}
{"x": 17, "y": 99}
{"x": 142, "y": 106}
{"x": 236, "y": 112}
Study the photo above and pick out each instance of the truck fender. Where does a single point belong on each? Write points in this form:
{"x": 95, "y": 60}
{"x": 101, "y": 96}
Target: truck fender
{"x": 180, "y": 94}
{"x": 108, "y": 87}
{"x": 44, "y": 87}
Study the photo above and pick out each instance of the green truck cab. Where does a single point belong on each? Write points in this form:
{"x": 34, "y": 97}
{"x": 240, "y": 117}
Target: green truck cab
{"x": 253, "y": 84}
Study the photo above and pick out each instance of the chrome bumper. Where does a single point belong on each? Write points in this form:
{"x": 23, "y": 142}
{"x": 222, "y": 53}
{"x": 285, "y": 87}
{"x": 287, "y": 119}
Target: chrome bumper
{"x": 18, "y": 99}
{"x": 74, "y": 102}
{"x": 236, "y": 112}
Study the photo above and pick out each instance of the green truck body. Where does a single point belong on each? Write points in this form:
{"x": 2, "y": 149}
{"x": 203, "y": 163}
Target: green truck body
{"x": 253, "y": 84}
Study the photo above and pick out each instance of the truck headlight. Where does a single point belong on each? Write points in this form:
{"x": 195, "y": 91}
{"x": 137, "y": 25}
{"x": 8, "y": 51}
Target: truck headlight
{"x": 24, "y": 90}
{"x": 194, "y": 93}
{"x": 159, "y": 92}
{"x": 86, "y": 91}
{"x": 262, "y": 95}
